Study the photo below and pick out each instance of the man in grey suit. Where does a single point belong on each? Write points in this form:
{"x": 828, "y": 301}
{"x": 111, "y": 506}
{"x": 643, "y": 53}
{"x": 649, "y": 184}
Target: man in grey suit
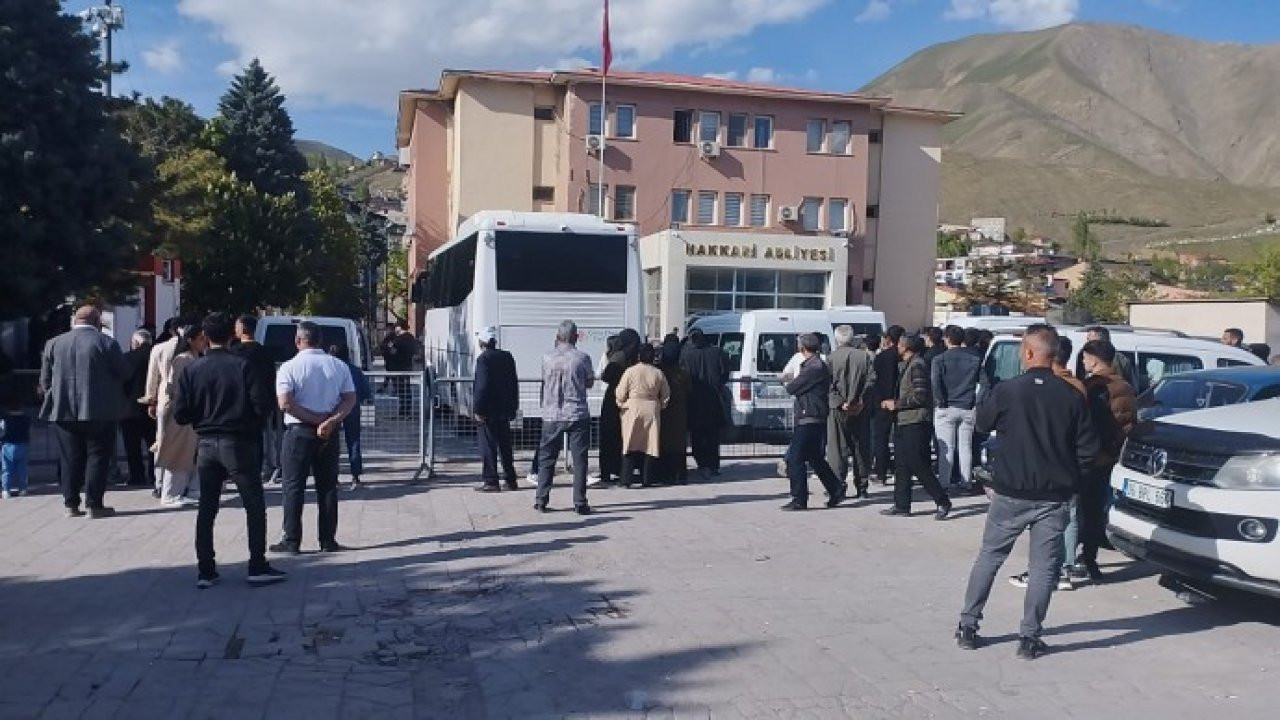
{"x": 852, "y": 381}
{"x": 82, "y": 375}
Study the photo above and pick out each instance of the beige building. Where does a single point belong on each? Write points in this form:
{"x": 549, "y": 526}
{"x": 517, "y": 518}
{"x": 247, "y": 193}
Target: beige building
{"x": 1259, "y": 319}
{"x": 846, "y": 184}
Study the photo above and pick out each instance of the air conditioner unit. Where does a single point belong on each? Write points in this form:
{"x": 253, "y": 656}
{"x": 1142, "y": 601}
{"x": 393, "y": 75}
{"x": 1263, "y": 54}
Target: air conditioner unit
{"x": 788, "y": 213}
{"x": 595, "y": 143}
{"x": 709, "y": 148}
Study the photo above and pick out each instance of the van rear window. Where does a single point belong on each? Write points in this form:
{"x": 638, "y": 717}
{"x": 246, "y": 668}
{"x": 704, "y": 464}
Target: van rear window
{"x": 278, "y": 340}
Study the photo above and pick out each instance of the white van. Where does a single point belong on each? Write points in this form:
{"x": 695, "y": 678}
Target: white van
{"x": 1153, "y": 354}
{"x": 276, "y": 333}
{"x": 759, "y": 344}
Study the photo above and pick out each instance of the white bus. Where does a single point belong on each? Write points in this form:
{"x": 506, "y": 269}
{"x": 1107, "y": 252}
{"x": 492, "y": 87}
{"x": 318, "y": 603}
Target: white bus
{"x": 523, "y": 273}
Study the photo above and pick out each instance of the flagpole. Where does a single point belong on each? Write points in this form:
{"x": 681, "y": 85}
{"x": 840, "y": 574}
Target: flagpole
{"x": 604, "y": 117}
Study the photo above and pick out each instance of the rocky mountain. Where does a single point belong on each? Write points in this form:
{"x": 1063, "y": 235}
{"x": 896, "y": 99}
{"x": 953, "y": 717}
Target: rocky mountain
{"x": 1102, "y": 108}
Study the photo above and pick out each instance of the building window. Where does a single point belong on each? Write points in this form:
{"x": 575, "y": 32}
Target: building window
{"x": 166, "y": 271}
{"x": 733, "y": 209}
{"x": 595, "y": 120}
{"x": 624, "y": 121}
{"x": 544, "y": 193}
{"x": 682, "y": 126}
{"x": 593, "y": 198}
{"x": 811, "y": 213}
{"x": 707, "y": 207}
{"x": 840, "y": 133}
{"x": 763, "y": 138}
{"x": 873, "y": 211}
{"x": 543, "y": 112}
{"x": 815, "y": 136}
{"x": 680, "y": 206}
{"x": 874, "y": 137}
{"x": 708, "y": 126}
{"x": 759, "y": 211}
{"x": 837, "y": 214}
{"x": 737, "y": 132}
{"x": 712, "y": 289}
{"x": 624, "y": 203}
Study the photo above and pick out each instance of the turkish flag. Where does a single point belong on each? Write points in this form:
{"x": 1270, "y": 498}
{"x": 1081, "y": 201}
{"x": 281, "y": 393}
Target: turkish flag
{"x": 605, "y": 44}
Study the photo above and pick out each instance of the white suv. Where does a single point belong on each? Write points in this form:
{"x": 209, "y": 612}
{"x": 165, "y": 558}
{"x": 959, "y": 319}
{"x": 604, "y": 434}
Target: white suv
{"x": 1198, "y": 494}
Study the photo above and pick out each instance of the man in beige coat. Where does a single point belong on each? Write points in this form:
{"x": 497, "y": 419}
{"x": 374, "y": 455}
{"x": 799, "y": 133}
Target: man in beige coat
{"x": 642, "y": 394}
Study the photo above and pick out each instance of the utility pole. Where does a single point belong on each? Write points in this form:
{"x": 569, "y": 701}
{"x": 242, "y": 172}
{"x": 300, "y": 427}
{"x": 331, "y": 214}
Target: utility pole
{"x": 103, "y": 20}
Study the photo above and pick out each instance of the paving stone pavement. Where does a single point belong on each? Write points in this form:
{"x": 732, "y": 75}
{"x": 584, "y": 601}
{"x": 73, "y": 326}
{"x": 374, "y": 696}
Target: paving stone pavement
{"x": 701, "y": 601}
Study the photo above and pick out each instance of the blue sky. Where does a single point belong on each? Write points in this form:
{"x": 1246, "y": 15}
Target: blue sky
{"x": 341, "y": 62}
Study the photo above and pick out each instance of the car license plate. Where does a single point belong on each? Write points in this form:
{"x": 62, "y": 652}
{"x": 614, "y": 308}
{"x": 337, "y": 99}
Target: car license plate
{"x": 1148, "y": 494}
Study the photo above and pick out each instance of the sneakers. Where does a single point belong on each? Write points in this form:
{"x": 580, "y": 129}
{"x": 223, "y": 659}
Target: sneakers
{"x": 266, "y": 575}
{"x": 1019, "y": 580}
{"x": 73, "y": 512}
{"x": 1031, "y": 648}
{"x": 942, "y": 512}
{"x": 895, "y": 512}
{"x": 794, "y": 506}
{"x": 99, "y": 513}
{"x": 286, "y": 548}
{"x": 207, "y": 580}
{"x": 582, "y": 509}
{"x": 600, "y": 483}
{"x": 354, "y": 485}
{"x": 178, "y": 502}
{"x": 1078, "y": 573}
{"x": 1064, "y": 581}
{"x": 967, "y": 638}
{"x": 331, "y": 547}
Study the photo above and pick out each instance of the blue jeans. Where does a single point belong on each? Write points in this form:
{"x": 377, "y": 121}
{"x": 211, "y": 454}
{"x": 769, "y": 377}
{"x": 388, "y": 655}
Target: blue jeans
{"x": 13, "y": 466}
{"x": 351, "y": 433}
{"x": 807, "y": 449}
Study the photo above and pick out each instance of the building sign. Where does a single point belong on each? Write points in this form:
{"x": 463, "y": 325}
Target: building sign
{"x": 754, "y": 250}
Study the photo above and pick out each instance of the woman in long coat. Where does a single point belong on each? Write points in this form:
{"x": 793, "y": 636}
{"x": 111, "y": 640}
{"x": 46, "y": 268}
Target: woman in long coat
{"x": 642, "y": 393}
{"x": 175, "y": 448}
{"x": 673, "y": 433}
{"x": 623, "y": 351}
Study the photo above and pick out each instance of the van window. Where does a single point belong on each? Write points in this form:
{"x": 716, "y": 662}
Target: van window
{"x": 1229, "y": 362}
{"x": 1004, "y": 361}
{"x": 775, "y": 349}
{"x": 860, "y": 329}
{"x": 1133, "y": 369}
{"x": 1154, "y": 366}
{"x": 731, "y": 343}
{"x": 278, "y": 340}
{"x": 1176, "y": 395}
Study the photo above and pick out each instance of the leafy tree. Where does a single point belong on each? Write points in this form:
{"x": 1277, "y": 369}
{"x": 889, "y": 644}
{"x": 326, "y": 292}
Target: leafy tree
{"x": 333, "y": 272}
{"x": 254, "y": 134}
{"x": 1166, "y": 270}
{"x": 1104, "y": 297}
{"x": 1262, "y": 276}
{"x": 160, "y": 129}
{"x": 184, "y": 210}
{"x": 953, "y": 244}
{"x": 1019, "y": 235}
{"x": 395, "y": 292}
{"x": 1086, "y": 243}
{"x": 254, "y": 255}
{"x": 69, "y": 184}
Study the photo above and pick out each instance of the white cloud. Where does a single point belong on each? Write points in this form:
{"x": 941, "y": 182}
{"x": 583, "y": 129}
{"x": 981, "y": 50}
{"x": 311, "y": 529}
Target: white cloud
{"x": 337, "y": 51}
{"x": 731, "y": 75}
{"x": 763, "y": 75}
{"x": 1015, "y": 14}
{"x": 164, "y": 58}
{"x": 875, "y": 11}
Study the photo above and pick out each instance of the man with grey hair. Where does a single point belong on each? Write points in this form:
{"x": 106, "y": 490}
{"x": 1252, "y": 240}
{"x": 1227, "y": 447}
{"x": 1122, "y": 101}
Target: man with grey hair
{"x": 137, "y": 428}
{"x": 315, "y": 391}
{"x": 566, "y": 374}
{"x": 852, "y": 376}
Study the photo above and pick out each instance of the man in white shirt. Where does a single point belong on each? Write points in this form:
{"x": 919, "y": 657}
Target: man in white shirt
{"x": 315, "y": 392}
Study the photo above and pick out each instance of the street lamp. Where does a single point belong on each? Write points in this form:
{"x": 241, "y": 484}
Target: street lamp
{"x": 103, "y": 20}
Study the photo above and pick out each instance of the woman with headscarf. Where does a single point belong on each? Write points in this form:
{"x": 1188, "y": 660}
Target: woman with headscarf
{"x": 623, "y": 352}
{"x": 673, "y": 432}
{"x": 175, "y": 448}
{"x": 642, "y": 394}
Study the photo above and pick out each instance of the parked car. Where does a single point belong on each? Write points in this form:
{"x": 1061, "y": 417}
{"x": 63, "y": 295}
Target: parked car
{"x": 1202, "y": 389}
{"x": 1198, "y": 494}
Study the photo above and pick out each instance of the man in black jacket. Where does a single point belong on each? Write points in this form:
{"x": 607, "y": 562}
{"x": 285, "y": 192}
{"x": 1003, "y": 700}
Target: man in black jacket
{"x": 222, "y": 398}
{"x": 495, "y": 398}
{"x": 264, "y": 371}
{"x": 1046, "y": 443}
{"x": 137, "y": 428}
{"x": 885, "y": 388}
{"x": 811, "y": 388}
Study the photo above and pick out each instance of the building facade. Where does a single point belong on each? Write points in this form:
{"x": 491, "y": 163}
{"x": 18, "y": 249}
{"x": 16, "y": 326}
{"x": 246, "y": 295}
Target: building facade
{"x": 816, "y": 197}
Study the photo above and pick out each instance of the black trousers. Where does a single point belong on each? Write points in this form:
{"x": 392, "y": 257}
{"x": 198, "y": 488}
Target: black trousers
{"x": 138, "y": 435}
{"x": 881, "y": 432}
{"x": 1091, "y": 509}
{"x": 705, "y": 440}
{"x": 674, "y": 468}
{"x": 807, "y": 448}
{"x": 610, "y": 449}
{"x": 217, "y": 460}
{"x": 913, "y": 443}
{"x": 303, "y": 453}
{"x": 646, "y": 464}
{"x": 495, "y": 443}
{"x": 85, "y": 449}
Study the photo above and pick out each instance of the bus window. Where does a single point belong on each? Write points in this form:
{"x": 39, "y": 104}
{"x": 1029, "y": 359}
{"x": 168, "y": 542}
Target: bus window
{"x": 452, "y": 274}
{"x": 538, "y": 262}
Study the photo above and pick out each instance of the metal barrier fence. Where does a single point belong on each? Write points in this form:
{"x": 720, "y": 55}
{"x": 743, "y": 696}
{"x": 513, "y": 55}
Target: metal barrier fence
{"x": 760, "y": 411}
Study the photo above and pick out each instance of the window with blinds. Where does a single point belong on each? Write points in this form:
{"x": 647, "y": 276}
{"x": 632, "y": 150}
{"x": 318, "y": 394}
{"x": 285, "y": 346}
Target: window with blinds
{"x": 759, "y": 211}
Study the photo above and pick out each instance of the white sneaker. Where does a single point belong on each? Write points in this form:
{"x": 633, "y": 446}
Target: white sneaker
{"x": 599, "y": 482}
{"x": 179, "y": 502}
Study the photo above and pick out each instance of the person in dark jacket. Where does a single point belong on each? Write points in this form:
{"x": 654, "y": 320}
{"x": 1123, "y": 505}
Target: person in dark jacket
{"x": 852, "y": 379}
{"x": 1122, "y": 364}
{"x": 137, "y": 428}
{"x": 811, "y": 388}
{"x": 885, "y": 366}
{"x": 673, "y": 430}
{"x": 220, "y": 396}
{"x": 399, "y": 348}
{"x": 1046, "y": 443}
{"x": 708, "y": 368}
{"x": 623, "y": 352}
{"x": 953, "y": 380}
{"x": 912, "y": 409}
{"x": 496, "y": 399}
{"x": 264, "y": 370}
{"x": 1112, "y": 407}
{"x": 351, "y": 427}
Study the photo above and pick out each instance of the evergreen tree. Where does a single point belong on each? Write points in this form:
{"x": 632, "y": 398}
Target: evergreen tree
{"x": 332, "y": 276}
{"x": 160, "y": 129}
{"x": 254, "y": 135}
{"x": 69, "y": 184}
{"x": 1086, "y": 243}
